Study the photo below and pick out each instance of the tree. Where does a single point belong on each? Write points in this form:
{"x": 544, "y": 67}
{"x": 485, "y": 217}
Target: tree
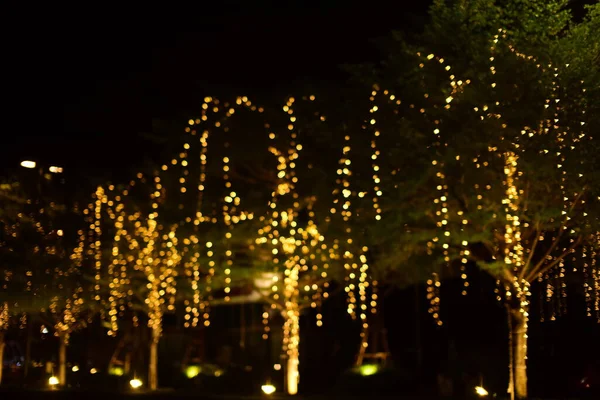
{"x": 142, "y": 262}
{"x": 278, "y": 188}
{"x": 499, "y": 122}
{"x": 41, "y": 260}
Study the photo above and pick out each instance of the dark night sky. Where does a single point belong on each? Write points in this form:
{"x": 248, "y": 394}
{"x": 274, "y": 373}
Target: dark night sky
{"x": 79, "y": 86}
{"x": 78, "y": 89}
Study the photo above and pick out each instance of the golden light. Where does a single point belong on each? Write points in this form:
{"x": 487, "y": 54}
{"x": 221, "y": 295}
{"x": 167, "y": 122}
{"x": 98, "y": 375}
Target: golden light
{"x": 268, "y": 389}
{"x": 116, "y": 371}
{"x": 28, "y": 164}
{"x": 277, "y": 367}
{"x": 368, "y": 369}
{"x": 481, "y": 391}
{"x": 55, "y": 170}
{"x": 93, "y": 371}
{"x": 135, "y": 383}
{"x": 75, "y": 368}
{"x": 192, "y": 371}
{"x": 53, "y": 381}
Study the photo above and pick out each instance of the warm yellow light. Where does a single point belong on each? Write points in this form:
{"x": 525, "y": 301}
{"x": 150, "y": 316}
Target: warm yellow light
{"x": 135, "y": 383}
{"x": 116, "y": 371}
{"x": 93, "y": 371}
{"x": 277, "y": 367}
{"x": 268, "y": 389}
{"x": 192, "y": 371}
{"x": 368, "y": 369}
{"x": 55, "y": 170}
{"x": 75, "y": 368}
{"x": 53, "y": 381}
{"x": 481, "y": 391}
{"x": 28, "y": 164}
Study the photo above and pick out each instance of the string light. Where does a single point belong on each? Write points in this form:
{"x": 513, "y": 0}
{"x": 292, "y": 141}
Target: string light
{"x": 377, "y": 193}
{"x": 98, "y": 234}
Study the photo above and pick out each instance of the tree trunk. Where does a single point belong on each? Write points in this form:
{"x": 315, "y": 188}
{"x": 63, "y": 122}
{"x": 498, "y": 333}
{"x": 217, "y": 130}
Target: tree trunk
{"x": 364, "y": 343}
{"x": 518, "y": 322}
{"x": 293, "y": 353}
{"x": 153, "y": 362}
{"x": 1, "y": 353}
{"x": 511, "y": 356}
{"x": 292, "y": 373}
{"x": 62, "y": 360}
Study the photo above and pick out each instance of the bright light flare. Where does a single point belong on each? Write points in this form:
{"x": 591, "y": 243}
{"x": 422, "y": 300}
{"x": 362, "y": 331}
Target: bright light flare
{"x": 53, "y": 381}
{"x": 268, "y": 389}
{"x": 28, "y": 164}
{"x": 481, "y": 391}
{"x": 135, "y": 383}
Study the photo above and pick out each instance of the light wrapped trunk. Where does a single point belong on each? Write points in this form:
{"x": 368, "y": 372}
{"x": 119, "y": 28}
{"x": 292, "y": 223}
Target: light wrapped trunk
{"x": 153, "y": 361}
{"x": 292, "y": 374}
{"x": 518, "y": 343}
{"x": 291, "y": 339}
{"x": 62, "y": 359}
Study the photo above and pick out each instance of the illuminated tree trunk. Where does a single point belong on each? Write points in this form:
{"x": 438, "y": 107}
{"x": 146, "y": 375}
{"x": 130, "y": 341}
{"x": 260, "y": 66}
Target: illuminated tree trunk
{"x": 1, "y": 353}
{"x": 293, "y": 361}
{"x": 153, "y": 362}
{"x": 62, "y": 359}
{"x": 518, "y": 323}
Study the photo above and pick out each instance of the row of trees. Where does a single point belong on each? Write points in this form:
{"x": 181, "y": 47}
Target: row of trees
{"x": 477, "y": 147}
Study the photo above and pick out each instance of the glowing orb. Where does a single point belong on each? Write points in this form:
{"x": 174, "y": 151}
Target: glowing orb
{"x": 268, "y": 389}
{"x": 192, "y": 371}
{"x": 481, "y": 391}
{"x": 135, "y": 383}
{"x": 368, "y": 369}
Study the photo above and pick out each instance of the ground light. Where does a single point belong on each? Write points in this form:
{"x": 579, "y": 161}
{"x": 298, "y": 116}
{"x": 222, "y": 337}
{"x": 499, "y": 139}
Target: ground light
{"x": 481, "y": 391}
{"x": 268, "y": 389}
{"x": 135, "y": 383}
{"x": 368, "y": 369}
{"x": 193, "y": 371}
{"x": 116, "y": 371}
{"x": 53, "y": 381}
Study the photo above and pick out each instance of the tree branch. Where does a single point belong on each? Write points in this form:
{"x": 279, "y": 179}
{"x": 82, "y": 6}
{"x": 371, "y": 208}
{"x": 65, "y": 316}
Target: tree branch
{"x": 556, "y": 261}
{"x": 532, "y": 250}
{"x": 560, "y": 232}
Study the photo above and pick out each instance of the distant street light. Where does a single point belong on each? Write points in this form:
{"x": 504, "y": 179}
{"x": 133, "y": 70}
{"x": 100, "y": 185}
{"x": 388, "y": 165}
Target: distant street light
{"x": 56, "y": 170}
{"x": 28, "y": 164}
